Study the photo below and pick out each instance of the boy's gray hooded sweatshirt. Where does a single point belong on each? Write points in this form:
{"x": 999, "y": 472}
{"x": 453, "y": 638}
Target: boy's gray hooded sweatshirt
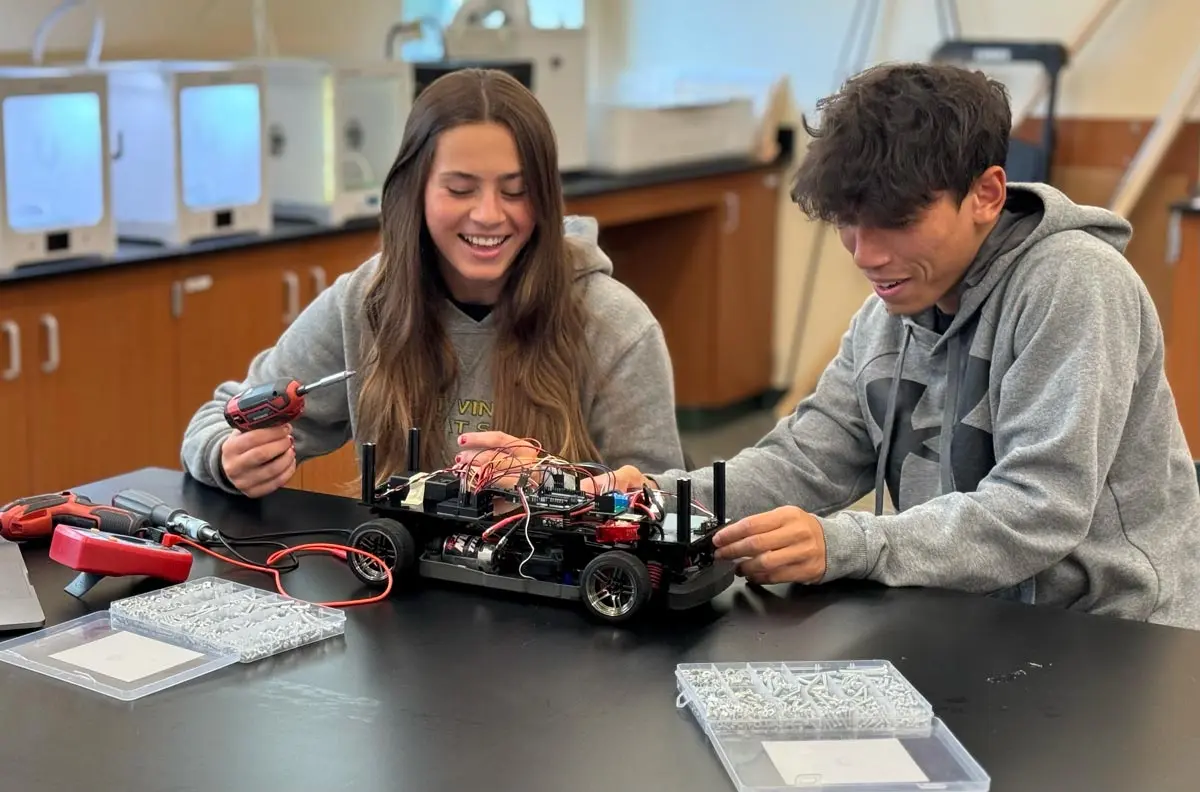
{"x": 629, "y": 407}
{"x": 1031, "y": 450}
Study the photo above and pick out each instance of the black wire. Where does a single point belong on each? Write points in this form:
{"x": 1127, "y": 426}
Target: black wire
{"x": 291, "y": 563}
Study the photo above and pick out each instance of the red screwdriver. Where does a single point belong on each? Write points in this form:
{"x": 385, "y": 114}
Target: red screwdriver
{"x": 274, "y": 403}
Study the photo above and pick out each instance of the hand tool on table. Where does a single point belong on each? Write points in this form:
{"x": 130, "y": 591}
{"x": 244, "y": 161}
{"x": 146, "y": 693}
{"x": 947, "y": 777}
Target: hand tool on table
{"x": 99, "y": 554}
{"x": 274, "y": 403}
{"x": 159, "y": 514}
{"x": 37, "y": 516}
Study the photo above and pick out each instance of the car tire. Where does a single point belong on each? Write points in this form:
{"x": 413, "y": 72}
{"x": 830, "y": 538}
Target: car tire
{"x": 614, "y": 586}
{"x": 390, "y": 542}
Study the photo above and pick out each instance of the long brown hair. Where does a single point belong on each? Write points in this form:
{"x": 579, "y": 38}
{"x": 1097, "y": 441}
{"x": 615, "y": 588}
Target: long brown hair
{"x": 541, "y": 363}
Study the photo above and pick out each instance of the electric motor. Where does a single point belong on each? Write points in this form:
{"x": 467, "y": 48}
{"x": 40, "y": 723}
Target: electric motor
{"x": 470, "y": 551}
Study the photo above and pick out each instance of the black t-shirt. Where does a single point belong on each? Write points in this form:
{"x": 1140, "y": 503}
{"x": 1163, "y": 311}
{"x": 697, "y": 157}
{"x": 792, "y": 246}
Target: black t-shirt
{"x": 941, "y": 320}
{"x": 474, "y": 310}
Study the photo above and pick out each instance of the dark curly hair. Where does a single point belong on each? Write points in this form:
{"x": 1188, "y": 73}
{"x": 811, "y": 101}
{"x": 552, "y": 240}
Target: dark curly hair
{"x": 896, "y": 137}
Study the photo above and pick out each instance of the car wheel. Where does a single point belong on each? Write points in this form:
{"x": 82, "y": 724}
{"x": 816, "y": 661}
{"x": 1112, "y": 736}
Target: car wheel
{"x": 391, "y": 543}
{"x": 614, "y": 586}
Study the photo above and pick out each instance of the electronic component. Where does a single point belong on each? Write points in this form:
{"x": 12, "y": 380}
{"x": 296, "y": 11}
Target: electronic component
{"x": 441, "y": 487}
{"x": 617, "y": 532}
{"x": 470, "y": 551}
{"x": 538, "y": 533}
{"x": 465, "y": 505}
{"x": 612, "y": 503}
{"x": 97, "y": 554}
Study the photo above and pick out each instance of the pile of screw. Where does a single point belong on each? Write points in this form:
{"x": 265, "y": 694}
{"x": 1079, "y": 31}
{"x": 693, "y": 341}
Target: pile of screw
{"x": 834, "y": 700}
{"x": 225, "y": 617}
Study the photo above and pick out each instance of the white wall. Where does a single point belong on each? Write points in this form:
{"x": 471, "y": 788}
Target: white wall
{"x": 206, "y": 28}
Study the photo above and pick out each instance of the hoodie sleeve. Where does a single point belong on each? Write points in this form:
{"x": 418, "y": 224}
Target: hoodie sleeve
{"x": 633, "y": 413}
{"x": 1077, "y": 331}
{"x": 310, "y": 348}
{"x": 820, "y": 457}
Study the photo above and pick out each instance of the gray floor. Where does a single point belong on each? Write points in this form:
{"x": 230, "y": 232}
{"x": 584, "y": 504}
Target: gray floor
{"x": 725, "y": 441}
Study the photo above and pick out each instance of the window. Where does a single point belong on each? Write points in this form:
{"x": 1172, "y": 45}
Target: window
{"x": 542, "y": 14}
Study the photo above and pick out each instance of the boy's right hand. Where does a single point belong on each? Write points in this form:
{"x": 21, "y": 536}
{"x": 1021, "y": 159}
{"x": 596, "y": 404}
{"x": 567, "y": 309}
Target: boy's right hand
{"x": 260, "y": 461}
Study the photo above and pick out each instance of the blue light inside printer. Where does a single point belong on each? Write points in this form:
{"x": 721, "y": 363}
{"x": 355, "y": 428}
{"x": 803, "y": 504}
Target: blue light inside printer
{"x": 220, "y": 141}
{"x": 54, "y": 161}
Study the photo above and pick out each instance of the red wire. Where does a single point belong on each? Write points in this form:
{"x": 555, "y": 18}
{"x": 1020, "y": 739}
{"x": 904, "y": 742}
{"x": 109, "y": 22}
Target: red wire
{"x": 323, "y": 547}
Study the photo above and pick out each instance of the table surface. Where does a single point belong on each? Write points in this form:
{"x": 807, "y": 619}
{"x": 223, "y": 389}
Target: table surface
{"x": 452, "y": 688}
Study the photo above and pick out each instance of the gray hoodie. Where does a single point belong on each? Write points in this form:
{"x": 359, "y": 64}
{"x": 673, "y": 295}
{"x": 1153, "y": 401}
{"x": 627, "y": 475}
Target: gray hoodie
{"x": 630, "y": 413}
{"x": 1031, "y": 448}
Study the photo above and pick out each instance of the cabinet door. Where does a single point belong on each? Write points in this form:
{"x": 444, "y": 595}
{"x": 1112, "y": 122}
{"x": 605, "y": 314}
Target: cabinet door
{"x": 1183, "y": 333}
{"x": 746, "y": 288}
{"x": 101, "y": 375}
{"x": 226, "y": 309}
{"x": 334, "y": 474}
{"x": 15, "y": 448}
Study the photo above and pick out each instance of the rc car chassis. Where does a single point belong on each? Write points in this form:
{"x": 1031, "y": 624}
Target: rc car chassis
{"x": 616, "y": 552}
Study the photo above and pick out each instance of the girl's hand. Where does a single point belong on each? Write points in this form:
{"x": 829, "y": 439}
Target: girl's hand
{"x": 498, "y": 457}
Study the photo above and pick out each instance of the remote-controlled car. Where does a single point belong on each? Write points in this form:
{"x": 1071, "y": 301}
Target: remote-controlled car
{"x": 533, "y": 528}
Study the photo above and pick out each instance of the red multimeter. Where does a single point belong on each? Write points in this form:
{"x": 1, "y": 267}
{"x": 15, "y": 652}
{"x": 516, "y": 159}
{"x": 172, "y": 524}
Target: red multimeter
{"x": 97, "y": 554}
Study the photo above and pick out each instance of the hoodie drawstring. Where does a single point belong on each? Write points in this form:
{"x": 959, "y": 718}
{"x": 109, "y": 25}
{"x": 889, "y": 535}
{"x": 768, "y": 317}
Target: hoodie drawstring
{"x": 889, "y": 425}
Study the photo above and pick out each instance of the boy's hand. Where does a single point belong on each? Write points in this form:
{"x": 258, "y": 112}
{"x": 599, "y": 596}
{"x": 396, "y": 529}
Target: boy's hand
{"x": 785, "y": 545}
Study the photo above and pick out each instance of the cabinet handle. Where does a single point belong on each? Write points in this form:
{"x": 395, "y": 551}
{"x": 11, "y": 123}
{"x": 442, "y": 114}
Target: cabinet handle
{"x": 292, "y": 281}
{"x": 14, "y": 349}
{"x": 189, "y": 285}
{"x": 732, "y": 205}
{"x": 49, "y": 322}
{"x": 318, "y": 278}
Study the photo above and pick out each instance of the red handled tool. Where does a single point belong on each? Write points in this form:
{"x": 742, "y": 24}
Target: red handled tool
{"x": 98, "y": 554}
{"x": 274, "y": 403}
{"x": 36, "y": 517}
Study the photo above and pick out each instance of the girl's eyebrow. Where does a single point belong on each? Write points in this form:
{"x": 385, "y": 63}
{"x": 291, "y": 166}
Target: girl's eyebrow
{"x": 465, "y": 175}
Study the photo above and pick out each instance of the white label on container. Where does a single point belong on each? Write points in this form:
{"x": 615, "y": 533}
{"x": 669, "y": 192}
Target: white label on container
{"x": 126, "y": 656}
{"x": 830, "y": 762}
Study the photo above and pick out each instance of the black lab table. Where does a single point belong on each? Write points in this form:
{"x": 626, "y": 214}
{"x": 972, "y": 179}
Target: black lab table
{"x": 459, "y": 689}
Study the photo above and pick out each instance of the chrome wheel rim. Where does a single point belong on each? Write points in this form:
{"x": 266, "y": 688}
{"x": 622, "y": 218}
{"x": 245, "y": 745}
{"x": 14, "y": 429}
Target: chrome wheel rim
{"x": 611, "y": 590}
{"x": 378, "y": 544}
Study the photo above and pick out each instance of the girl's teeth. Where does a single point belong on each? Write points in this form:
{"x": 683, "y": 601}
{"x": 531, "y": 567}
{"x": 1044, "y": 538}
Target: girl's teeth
{"x": 484, "y": 241}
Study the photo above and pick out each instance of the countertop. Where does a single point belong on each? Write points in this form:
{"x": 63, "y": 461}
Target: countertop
{"x": 575, "y": 186}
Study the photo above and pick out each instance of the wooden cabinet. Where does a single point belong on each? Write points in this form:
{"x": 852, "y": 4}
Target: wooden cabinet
{"x": 703, "y": 260}
{"x": 742, "y": 315}
{"x": 100, "y": 371}
{"x": 95, "y": 391}
{"x": 1183, "y": 333}
{"x": 228, "y": 308}
{"x": 15, "y": 471}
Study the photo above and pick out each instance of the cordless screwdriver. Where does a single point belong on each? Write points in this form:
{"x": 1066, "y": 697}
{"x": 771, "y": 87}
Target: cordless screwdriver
{"x": 273, "y": 403}
{"x": 159, "y": 514}
{"x": 37, "y": 516}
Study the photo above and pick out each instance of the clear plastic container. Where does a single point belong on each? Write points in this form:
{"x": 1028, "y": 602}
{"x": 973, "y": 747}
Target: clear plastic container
{"x": 93, "y": 653}
{"x": 226, "y": 617}
{"x": 849, "y": 726}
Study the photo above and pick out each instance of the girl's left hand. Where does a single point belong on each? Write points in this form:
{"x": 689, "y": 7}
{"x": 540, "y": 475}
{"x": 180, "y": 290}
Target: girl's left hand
{"x": 504, "y": 455}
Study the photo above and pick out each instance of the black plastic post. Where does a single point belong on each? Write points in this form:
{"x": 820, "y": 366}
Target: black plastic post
{"x": 719, "y": 491}
{"x": 414, "y": 449}
{"x": 367, "y": 463}
{"x": 683, "y": 508}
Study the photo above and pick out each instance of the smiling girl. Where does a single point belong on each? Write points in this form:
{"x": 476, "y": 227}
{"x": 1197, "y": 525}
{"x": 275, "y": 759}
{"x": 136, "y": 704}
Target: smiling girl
{"x": 485, "y": 310}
